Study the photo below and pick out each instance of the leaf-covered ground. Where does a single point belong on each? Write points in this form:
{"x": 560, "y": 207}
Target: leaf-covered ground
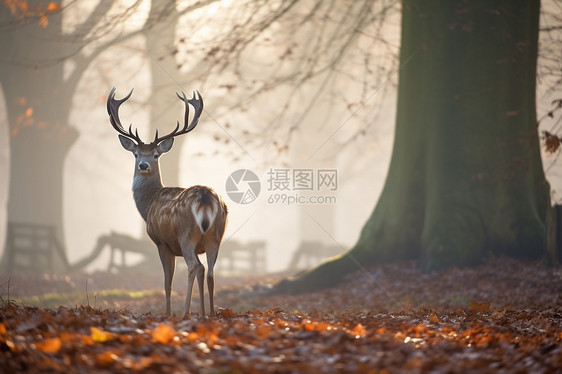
{"x": 504, "y": 316}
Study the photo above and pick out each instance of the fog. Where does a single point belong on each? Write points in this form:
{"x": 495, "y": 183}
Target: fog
{"x": 98, "y": 172}
{"x": 340, "y": 124}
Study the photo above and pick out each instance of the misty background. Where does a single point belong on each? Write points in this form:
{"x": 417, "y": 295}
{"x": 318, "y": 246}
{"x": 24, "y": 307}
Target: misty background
{"x": 260, "y": 113}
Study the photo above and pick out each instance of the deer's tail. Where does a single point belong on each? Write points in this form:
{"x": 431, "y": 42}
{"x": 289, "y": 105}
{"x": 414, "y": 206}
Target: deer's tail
{"x": 204, "y": 209}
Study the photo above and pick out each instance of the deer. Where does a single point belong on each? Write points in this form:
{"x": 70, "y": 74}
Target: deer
{"x": 182, "y": 222}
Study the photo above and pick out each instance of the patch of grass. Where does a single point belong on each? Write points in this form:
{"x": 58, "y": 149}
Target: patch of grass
{"x": 57, "y": 299}
{"x": 459, "y": 299}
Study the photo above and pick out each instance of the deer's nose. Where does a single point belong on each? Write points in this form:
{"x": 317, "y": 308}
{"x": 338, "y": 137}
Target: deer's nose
{"x": 143, "y": 165}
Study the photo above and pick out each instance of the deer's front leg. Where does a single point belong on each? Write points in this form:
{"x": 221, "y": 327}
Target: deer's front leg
{"x": 168, "y": 264}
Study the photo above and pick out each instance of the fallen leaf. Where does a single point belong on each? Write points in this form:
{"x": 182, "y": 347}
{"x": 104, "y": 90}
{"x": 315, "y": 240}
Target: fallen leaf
{"x": 263, "y": 331}
{"x": 477, "y": 307}
{"x": 521, "y": 332}
{"x": 316, "y": 326}
{"x": 100, "y": 336}
{"x": 358, "y": 330}
{"x": 106, "y": 358}
{"x": 87, "y": 340}
{"x": 226, "y": 313}
{"x": 498, "y": 314}
{"x": 163, "y": 334}
{"x": 49, "y": 345}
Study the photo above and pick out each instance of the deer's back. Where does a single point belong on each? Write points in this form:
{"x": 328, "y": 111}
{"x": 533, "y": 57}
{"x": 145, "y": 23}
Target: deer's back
{"x": 171, "y": 217}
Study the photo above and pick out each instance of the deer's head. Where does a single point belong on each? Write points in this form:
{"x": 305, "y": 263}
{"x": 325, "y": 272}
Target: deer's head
{"x": 147, "y": 155}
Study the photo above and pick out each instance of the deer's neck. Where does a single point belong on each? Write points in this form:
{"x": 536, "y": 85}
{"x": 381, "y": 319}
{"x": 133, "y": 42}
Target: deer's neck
{"x": 144, "y": 190}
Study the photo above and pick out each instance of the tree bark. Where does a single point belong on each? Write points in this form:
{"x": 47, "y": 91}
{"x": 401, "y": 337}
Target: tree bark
{"x": 465, "y": 177}
{"x": 39, "y": 98}
{"x": 164, "y": 105}
{"x": 38, "y": 106}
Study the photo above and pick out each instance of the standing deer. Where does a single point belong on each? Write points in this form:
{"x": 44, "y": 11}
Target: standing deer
{"x": 180, "y": 221}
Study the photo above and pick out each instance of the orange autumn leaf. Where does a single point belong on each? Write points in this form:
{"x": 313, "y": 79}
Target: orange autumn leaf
{"x": 100, "y": 336}
{"x": 29, "y": 112}
{"x": 282, "y": 323}
{"x": 52, "y": 7}
{"x": 358, "y": 330}
{"x": 226, "y": 313}
{"x": 324, "y": 326}
{"x": 163, "y": 334}
{"x": 50, "y": 345}
{"x": 317, "y": 326}
{"x": 43, "y": 20}
{"x": 86, "y": 340}
{"x": 418, "y": 330}
{"x": 11, "y": 5}
{"x": 308, "y": 326}
{"x": 16, "y": 6}
{"x": 23, "y": 6}
{"x": 3, "y": 330}
{"x": 433, "y": 318}
{"x": 68, "y": 338}
{"x": 263, "y": 331}
{"x": 106, "y": 358}
{"x": 208, "y": 334}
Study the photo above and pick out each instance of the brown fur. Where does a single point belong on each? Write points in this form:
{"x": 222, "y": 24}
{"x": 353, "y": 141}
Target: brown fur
{"x": 170, "y": 216}
{"x": 181, "y": 221}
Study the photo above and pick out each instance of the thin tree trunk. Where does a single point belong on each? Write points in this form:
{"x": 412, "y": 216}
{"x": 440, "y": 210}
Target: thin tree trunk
{"x": 164, "y": 105}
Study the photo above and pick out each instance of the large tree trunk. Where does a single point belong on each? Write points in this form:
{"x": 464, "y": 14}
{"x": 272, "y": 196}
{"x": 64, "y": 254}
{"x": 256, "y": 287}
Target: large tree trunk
{"x": 38, "y": 107}
{"x": 465, "y": 176}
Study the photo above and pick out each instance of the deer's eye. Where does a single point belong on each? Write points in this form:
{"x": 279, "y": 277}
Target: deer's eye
{"x": 156, "y": 156}
{"x": 136, "y": 155}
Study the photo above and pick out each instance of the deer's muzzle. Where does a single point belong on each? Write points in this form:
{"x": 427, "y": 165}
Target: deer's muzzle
{"x": 144, "y": 167}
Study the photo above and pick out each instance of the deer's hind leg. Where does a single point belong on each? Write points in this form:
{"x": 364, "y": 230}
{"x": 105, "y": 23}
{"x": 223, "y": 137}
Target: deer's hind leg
{"x": 212, "y": 253}
{"x": 195, "y": 268}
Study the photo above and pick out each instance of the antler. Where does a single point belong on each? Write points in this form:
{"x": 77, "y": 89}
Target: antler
{"x": 197, "y": 102}
{"x": 113, "y": 111}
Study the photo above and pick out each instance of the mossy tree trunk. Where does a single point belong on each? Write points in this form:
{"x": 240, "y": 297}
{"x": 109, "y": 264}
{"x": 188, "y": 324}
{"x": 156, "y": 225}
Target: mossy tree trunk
{"x": 465, "y": 176}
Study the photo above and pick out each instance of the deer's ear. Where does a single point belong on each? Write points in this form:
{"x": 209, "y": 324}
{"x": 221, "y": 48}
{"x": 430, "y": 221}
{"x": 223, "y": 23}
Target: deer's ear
{"x": 165, "y": 146}
{"x": 127, "y": 143}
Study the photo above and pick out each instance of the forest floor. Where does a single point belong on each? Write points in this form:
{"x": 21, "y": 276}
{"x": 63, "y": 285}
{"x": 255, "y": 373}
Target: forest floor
{"x": 503, "y": 316}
